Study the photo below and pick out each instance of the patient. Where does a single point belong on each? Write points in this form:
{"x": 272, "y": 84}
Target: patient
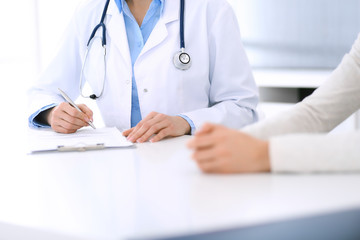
{"x": 296, "y": 140}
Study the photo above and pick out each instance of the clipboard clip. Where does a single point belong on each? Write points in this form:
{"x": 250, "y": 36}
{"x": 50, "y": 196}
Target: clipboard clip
{"x": 80, "y": 148}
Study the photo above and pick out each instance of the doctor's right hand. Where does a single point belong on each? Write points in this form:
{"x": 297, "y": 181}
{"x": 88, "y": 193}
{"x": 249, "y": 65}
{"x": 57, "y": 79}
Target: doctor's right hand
{"x": 66, "y": 119}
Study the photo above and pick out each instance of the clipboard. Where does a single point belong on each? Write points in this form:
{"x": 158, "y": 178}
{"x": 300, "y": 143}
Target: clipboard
{"x": 86, "y": 139}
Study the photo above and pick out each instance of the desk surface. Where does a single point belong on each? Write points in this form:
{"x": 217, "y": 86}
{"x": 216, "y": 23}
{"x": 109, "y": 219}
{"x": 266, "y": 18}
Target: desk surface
{"x": 153, "y": 190}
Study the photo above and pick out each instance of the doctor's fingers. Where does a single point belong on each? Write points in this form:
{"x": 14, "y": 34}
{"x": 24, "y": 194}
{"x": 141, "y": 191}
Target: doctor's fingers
{"x": 174, "y": 126}
{"x": 87, "y": 111}
{"x": 61, "y": 129}
{"x": 148, "y": 123}
{"x": 149, "y": 128}
{"x": 60, "y": 117}
{"x": 62, "y": 123}
{"x": 127, "y": 132}
{"x": 65, "y": 123}
{"x": 73, "y": 112}
{"x": 168, "y": 131}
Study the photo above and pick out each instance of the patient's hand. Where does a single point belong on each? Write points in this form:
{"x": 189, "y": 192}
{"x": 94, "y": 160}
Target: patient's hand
{"x": 218, "y": 149}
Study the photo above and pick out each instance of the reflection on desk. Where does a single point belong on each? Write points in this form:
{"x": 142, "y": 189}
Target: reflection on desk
{"x": 13, "y": 232}
{"x": 154, "y": 190}
{"x": 342, "y": 225}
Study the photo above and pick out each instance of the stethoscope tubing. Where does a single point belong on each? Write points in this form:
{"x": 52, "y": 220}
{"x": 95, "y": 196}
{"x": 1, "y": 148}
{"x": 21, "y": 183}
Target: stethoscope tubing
{"x": 101, "y": 25}
{"x": 182, "y": 27}
{"x": 177, "y": 61}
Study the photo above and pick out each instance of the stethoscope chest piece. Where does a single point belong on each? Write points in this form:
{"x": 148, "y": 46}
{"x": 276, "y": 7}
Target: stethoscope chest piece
{"x": 182, "y": 60}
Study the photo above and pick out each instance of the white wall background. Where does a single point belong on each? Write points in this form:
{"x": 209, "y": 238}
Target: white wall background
{"x": 54, "y": 17}
{"x": 30, "y": 33}
{"x": 18, "y": 65}
{"x": 298, "y": 33}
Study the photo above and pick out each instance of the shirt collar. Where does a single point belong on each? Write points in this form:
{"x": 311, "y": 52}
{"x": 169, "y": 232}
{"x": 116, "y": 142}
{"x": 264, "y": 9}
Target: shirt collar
{"x": 120, "y": 5}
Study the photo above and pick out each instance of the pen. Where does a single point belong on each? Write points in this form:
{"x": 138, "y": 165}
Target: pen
{"x": 74, "y": 105}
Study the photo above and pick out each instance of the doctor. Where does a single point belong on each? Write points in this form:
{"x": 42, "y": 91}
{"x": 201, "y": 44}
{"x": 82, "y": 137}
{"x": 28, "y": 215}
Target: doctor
{"x": 131, "y": 58}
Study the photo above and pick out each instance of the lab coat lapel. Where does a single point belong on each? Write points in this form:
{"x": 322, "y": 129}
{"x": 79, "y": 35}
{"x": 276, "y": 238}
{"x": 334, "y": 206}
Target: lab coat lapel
{"x": 160, "y": 32}
{"x": 117, "y": 32}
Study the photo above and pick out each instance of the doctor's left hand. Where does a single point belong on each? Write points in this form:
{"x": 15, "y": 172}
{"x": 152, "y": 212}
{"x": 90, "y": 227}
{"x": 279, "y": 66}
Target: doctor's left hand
{"x": 159, "y": 125}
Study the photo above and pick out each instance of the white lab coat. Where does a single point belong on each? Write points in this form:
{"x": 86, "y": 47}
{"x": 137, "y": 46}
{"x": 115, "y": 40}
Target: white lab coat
{"x": 219, "y": 87}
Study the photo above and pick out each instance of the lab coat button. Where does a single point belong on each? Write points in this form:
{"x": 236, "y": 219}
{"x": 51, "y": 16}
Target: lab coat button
{"x": 145, "y": 90}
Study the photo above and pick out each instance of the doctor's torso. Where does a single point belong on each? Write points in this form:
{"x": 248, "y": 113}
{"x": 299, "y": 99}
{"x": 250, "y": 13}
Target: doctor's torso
{"x": 161, "y": 86}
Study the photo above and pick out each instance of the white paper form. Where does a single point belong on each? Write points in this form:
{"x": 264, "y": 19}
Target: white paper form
{"x": 84, "y": 139}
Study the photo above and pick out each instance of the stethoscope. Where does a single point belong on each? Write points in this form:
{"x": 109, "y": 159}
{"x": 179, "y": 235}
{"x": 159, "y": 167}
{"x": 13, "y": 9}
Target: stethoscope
{"x": 181, "y": 60}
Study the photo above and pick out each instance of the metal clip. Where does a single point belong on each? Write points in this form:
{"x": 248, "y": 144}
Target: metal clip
{"x": 80, "y": 148}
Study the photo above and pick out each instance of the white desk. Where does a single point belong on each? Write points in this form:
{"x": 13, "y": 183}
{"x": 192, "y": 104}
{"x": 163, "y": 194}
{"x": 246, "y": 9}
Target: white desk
{"x": 154, "y": 190}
